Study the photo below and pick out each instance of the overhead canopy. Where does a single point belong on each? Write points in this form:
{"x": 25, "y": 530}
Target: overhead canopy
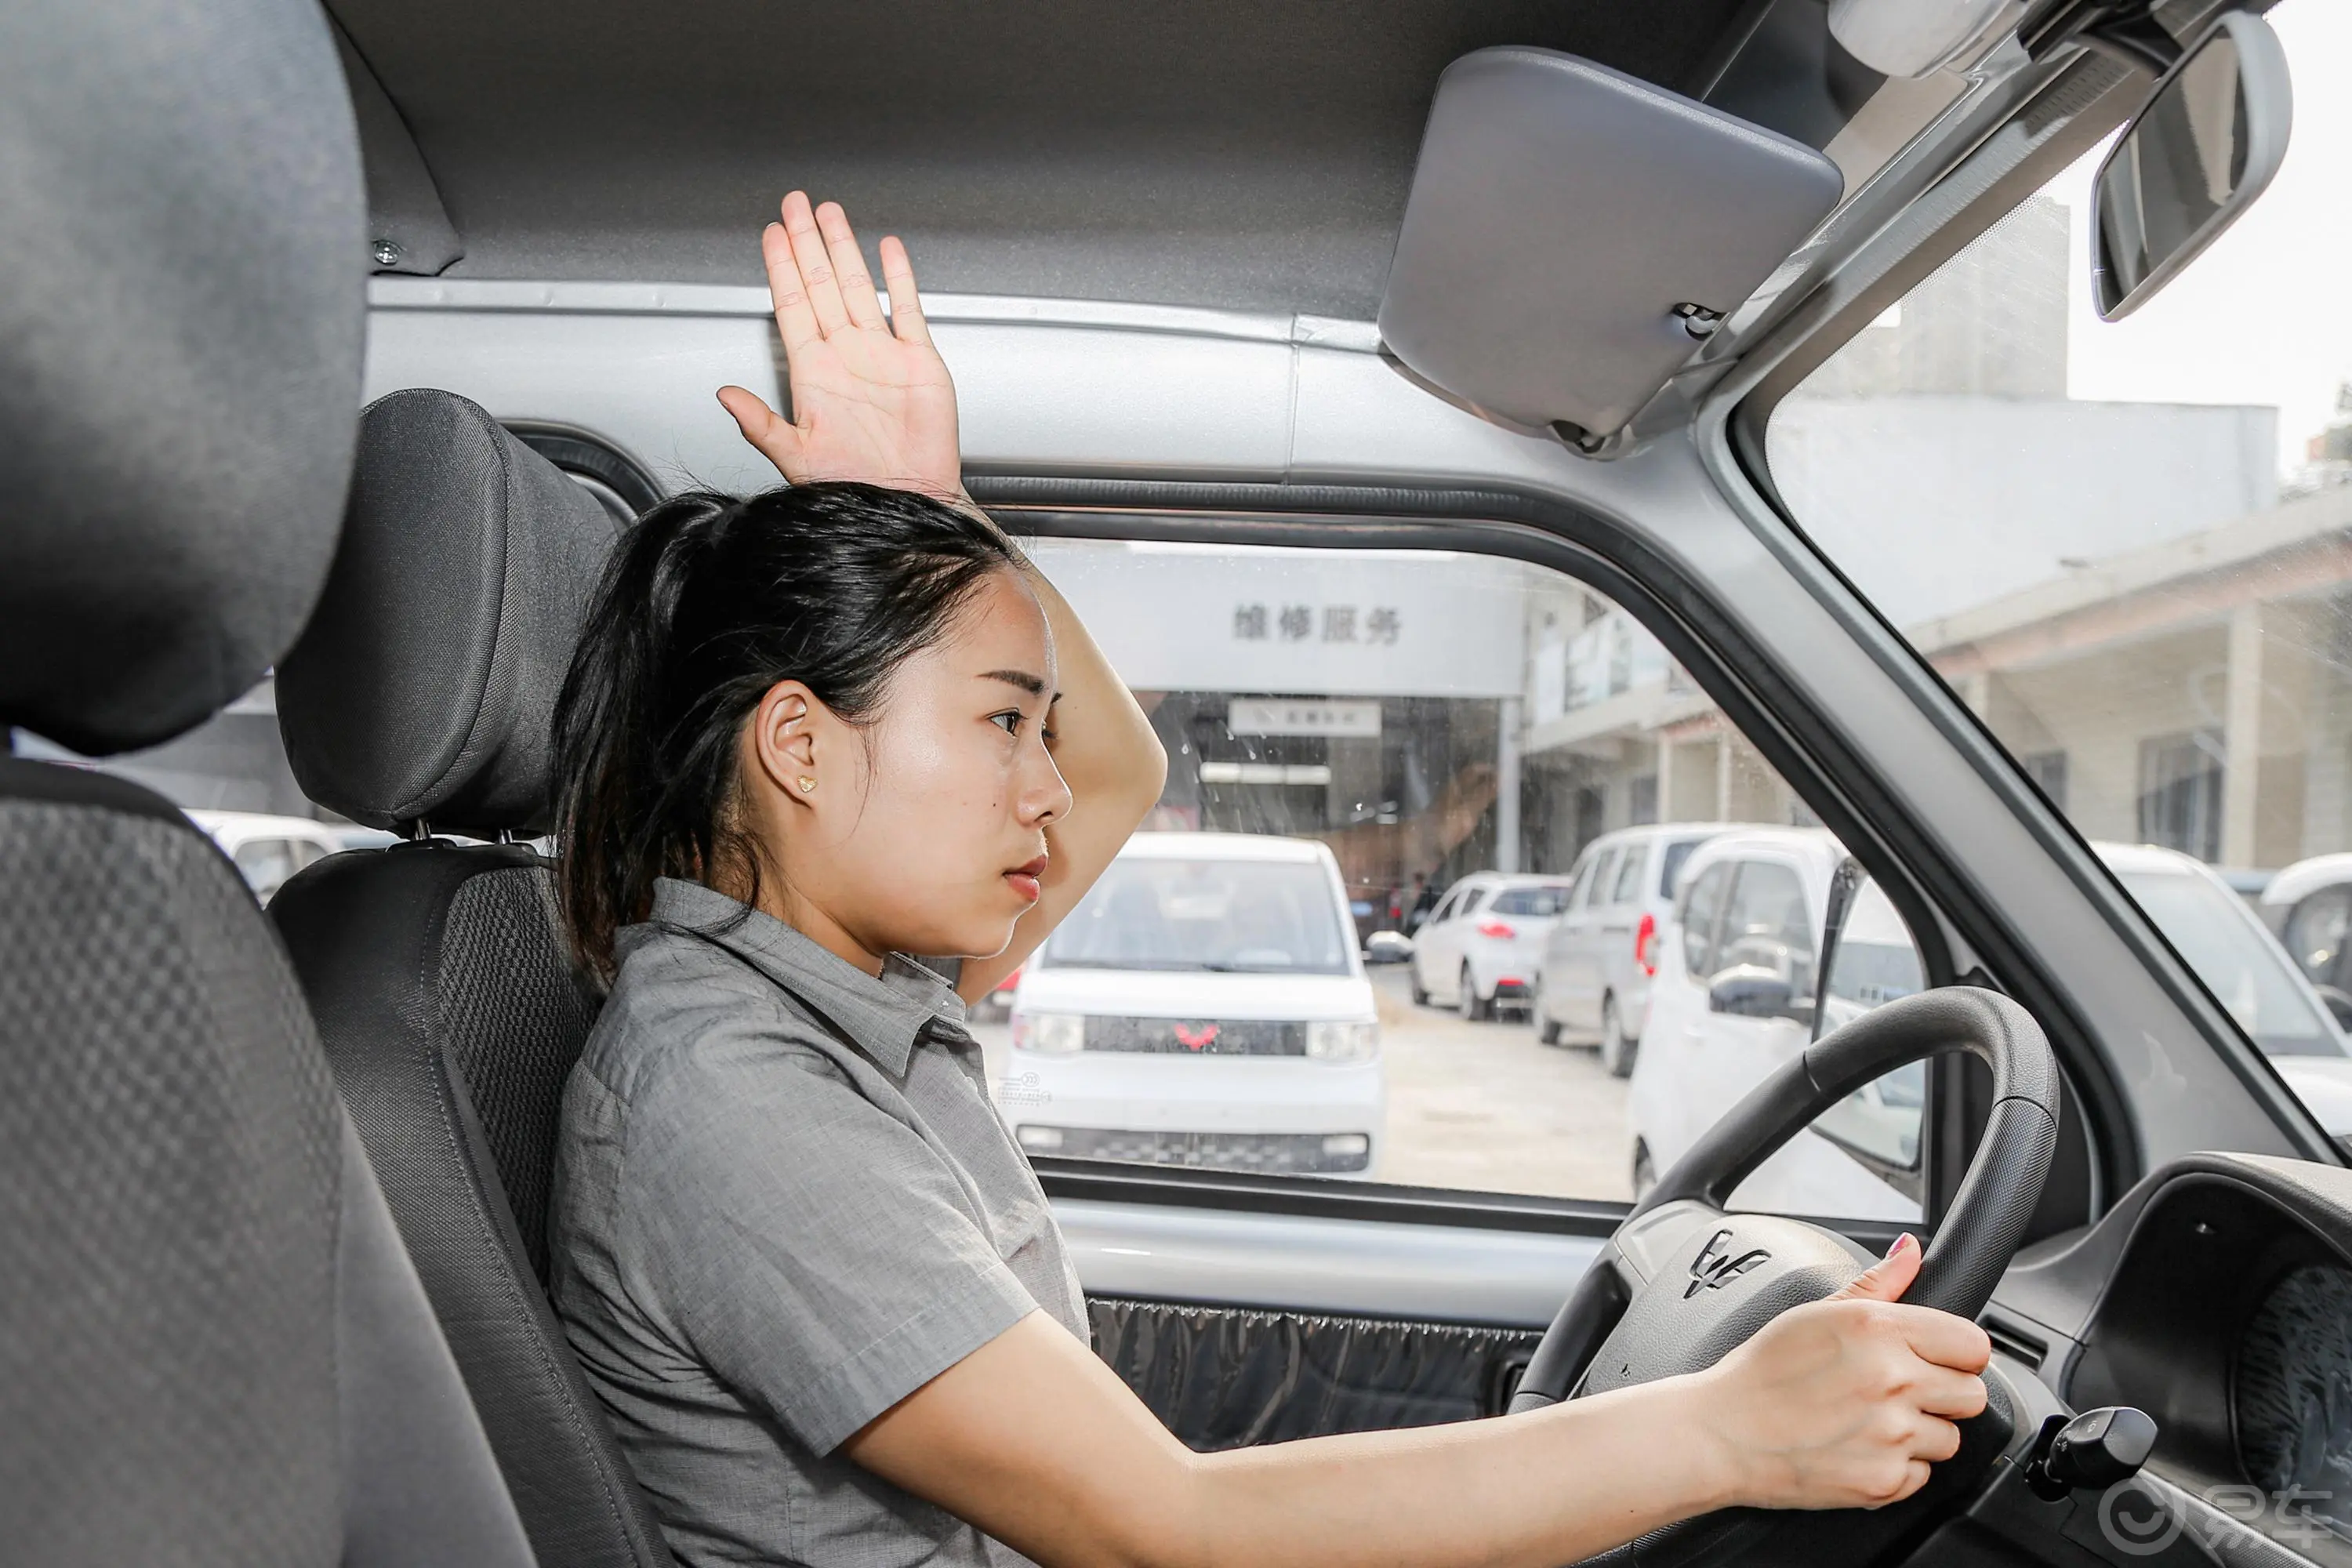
{"x": 1249, "y": 153}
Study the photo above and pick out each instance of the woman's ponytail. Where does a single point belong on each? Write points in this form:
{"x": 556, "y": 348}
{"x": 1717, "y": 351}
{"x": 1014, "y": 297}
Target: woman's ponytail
{"x": 707, "y": 603}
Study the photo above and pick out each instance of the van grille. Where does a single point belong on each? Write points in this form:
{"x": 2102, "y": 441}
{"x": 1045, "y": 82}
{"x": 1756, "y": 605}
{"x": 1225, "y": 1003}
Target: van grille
{"x": 1197, "y": 1036}
{"x": 1300, "y": 1153}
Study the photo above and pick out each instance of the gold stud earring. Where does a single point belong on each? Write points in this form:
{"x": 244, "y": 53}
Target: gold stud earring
{"x": 807, "y": 785}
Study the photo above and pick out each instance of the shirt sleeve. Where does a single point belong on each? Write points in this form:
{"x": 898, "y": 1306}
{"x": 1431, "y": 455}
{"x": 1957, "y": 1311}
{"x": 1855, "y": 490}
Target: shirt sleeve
{"x": 811, "y": 1248}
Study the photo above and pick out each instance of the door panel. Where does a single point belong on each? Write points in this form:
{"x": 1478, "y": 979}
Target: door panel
{"x": 1314, "y": 1263}
{"x": 1223, "y": 1377}
{"x": 1244, "y": 1325}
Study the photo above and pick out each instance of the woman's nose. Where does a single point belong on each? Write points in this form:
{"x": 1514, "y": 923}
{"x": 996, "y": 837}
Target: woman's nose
{"x": 1047, "y": 796}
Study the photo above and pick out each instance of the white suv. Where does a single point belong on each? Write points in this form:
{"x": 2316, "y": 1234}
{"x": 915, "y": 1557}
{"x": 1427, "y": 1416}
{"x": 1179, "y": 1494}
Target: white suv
{"x": 1478, "y": 949}
{"x": 1592, "y": 981}
{"x": 1204, "y": 1004}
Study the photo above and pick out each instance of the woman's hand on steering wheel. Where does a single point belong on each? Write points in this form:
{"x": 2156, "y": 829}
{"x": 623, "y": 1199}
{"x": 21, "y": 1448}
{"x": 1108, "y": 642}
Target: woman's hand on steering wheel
{"x": 1844, "y": 1403}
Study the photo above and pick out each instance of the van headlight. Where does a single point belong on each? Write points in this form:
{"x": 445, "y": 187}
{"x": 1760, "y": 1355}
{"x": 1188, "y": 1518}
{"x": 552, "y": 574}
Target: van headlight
{"x": 1343, "y": 1042}
{"x": 1049, "y": 1033}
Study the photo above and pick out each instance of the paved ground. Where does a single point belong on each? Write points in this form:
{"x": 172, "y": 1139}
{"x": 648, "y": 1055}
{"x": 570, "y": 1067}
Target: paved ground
{"x": 1483, "y": 1105}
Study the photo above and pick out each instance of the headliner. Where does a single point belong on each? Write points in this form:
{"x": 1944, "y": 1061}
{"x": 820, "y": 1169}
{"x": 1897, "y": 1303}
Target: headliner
{"x": 1250, "y": 153}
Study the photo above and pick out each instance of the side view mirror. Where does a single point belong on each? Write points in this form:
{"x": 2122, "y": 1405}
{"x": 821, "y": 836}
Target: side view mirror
{"x": 1753, "y": 990}
{"x": 1388, "y": 947}
{"x": 2206, "y": 144}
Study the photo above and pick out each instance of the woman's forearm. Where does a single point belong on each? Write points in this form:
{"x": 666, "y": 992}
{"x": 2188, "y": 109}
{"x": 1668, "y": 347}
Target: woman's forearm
{"x": 1534, "y": 1490}
{"x": 1037, "y": 1442}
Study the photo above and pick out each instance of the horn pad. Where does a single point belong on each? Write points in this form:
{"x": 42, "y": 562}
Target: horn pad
{"x": 1707, "y": 1281}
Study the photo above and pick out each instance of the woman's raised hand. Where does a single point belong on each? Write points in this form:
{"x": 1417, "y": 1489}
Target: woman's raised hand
{"x": 871, "y": 397}
{"x": 1845, "y": 1403}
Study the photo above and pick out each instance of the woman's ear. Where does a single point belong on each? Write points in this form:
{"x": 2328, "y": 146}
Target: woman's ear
{"x": 783, "y": 739}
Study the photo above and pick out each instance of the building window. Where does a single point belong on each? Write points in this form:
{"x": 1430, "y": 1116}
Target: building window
{"x": 2180, "y": 792}
{"x": 2048, "y": 772}
{"x": 1642, "y": 800}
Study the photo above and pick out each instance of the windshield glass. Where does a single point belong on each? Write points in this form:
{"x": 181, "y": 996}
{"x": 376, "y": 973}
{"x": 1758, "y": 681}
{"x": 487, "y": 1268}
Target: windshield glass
{"x": 1262, "y": 916}
{"x": 2124, "y": 545}
{"x": 2237, "y": 960}
{"x": 1548, "y": 900}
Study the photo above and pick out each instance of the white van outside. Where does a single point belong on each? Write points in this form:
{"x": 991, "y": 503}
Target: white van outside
{"x": 1206, "y": 1004}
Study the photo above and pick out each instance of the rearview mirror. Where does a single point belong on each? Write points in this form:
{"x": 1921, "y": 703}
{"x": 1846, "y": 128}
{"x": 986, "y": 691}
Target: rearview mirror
{"x": 1388, "y": 947}
{"x": 2197, "y": 155}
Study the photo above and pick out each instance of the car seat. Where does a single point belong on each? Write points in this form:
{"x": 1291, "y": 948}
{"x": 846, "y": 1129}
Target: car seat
{"x": 213, "y": 1348}
{"x": 421, "y": 698}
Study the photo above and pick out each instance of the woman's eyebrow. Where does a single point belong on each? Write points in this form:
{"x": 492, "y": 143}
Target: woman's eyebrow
{"x": 1033, "y": 685}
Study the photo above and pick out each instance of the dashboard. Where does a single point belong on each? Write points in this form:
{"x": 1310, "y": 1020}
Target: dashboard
{"x": 2217, "y": 1297}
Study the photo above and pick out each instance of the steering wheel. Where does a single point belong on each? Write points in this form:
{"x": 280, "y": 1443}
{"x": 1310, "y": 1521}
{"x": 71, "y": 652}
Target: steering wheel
{"x": 1681, "y": 1283}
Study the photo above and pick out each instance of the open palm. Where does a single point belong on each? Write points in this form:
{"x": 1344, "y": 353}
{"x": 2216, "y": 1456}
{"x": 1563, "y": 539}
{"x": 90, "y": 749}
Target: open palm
{"x": 871, "y": 398}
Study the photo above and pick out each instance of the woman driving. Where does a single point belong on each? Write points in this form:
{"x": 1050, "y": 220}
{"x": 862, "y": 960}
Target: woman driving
{"x": 808, "y": 734}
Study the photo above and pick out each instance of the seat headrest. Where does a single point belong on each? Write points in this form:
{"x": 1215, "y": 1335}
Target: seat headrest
{"x": 424, "y": 687}
{"x": 182, "y": 275}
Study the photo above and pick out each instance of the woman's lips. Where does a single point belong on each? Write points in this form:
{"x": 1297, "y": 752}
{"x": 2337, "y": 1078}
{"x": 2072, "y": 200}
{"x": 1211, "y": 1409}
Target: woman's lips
{"x": 1023, "y": 879}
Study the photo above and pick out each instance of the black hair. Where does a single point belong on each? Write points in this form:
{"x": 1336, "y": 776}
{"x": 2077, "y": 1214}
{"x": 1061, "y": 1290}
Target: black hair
{"x": 707, "y": 603}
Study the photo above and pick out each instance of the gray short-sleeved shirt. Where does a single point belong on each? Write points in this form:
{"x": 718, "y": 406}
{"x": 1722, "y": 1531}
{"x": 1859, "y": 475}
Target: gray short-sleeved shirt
{"x": 768, "y": 1228}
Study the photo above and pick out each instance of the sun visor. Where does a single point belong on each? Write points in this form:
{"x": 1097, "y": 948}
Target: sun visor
{"x": 1572, "y": 232}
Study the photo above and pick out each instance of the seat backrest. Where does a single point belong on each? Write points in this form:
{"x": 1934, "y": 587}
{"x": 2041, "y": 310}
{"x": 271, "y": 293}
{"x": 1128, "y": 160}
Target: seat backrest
{"x": 421, "y": 697}
{"x": 212, "y": 1347}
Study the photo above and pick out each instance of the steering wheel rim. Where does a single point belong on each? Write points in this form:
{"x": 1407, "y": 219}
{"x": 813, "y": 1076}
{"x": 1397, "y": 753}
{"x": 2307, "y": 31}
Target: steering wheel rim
{"x": 1682, "y": 1282}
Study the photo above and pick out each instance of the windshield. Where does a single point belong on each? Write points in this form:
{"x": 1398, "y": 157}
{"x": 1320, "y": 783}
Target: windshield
{"x": 1548, "y": 900}
{"x": 1267, "y": 917}
{"x": 2237, "y": 960}
{"x": 2124, "y": 545}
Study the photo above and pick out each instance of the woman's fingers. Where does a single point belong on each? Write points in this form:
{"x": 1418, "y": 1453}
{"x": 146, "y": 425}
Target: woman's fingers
{"x": 1936, "y": 1441}
{"x": 815, "y": 264}
{"x": 1957, "y": 1395}
{"x": 1886, "y": 1280}
{"x": 1945, "y": 1338}
{"x": 849, "y": 274}
{"x": 795, "y": 316}
{"x": 906, "y": 304}
{"x": 763, "y": 426}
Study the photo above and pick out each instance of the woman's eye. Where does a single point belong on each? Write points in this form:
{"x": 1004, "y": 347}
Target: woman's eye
{"x": 1011, "y": 719}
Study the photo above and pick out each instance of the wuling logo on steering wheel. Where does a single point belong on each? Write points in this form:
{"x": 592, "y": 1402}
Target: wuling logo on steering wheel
{"x": 1714, "y": 1267}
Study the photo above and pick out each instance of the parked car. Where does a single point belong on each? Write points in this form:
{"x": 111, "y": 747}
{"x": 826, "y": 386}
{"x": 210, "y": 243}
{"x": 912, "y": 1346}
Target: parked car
{"x": 268, "y": 850}
{"x": 2262, "y": 984}
{"x": 1204, "y": 1004}
{"x": 1592, "y": 981}
{"x": 1736, "y": 983}
{"x": 1478, "y": 950}
{"x": 1731, "y": 1001}
{"x": 2308, "y": 908}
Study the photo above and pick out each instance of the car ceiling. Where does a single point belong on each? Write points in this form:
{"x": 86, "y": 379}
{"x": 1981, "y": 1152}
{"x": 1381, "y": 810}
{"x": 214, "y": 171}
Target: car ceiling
{"x": 1247, "y": 154}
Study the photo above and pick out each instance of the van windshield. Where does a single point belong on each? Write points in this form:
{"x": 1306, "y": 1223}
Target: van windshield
{"x": 2123, "y": 543}
{"x": 1267, "y": 917}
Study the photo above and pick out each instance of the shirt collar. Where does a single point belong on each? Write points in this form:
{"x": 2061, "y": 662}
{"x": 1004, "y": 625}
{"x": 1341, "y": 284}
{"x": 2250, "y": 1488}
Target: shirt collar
{"x": 886, "y": 1016}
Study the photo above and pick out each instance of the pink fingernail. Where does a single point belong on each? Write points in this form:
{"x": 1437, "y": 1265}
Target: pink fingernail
{"x": 1906, "y": 1240}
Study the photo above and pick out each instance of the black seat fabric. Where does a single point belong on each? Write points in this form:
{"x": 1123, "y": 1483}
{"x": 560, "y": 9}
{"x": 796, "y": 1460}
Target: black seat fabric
{"x": 213, "y": 1349}
{"x": 450, "y": 1005}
